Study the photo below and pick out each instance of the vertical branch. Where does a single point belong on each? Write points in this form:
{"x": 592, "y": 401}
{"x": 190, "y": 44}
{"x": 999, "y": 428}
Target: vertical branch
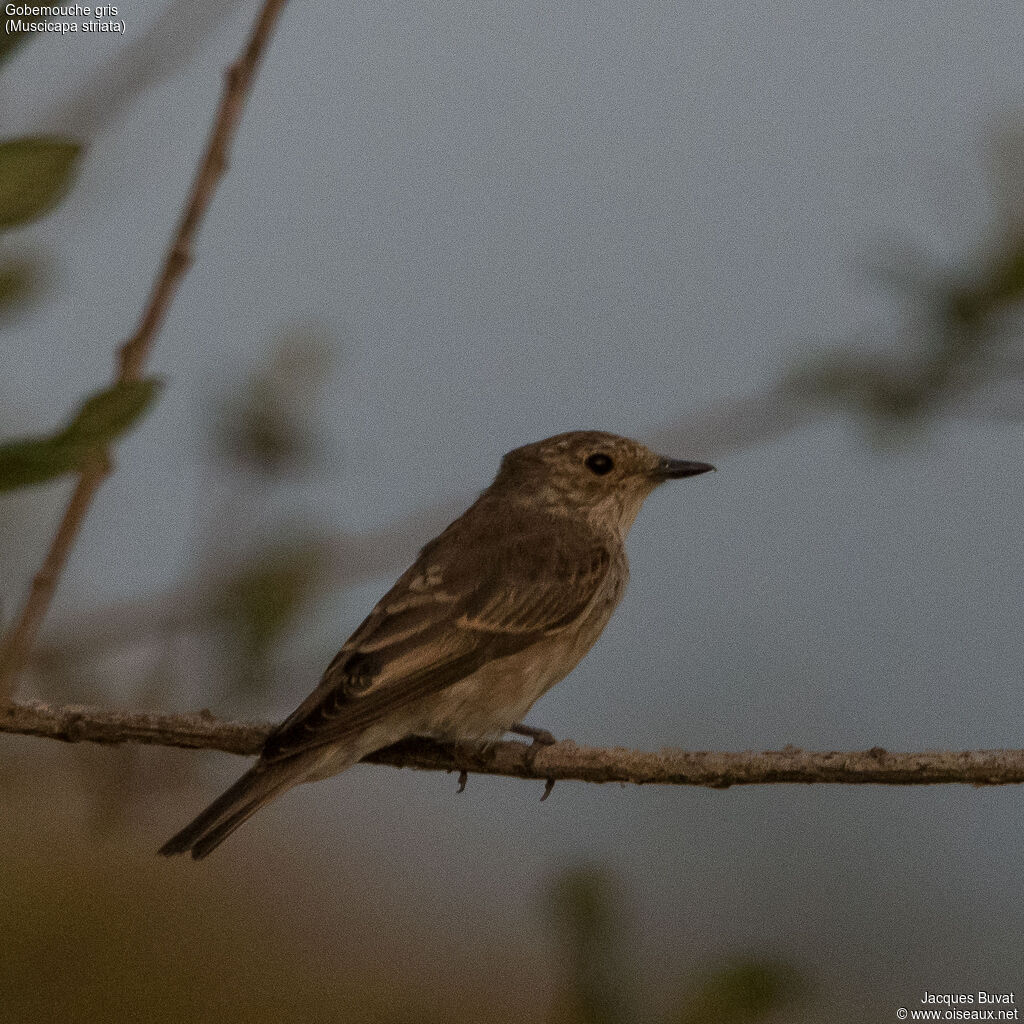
{"x": 133, "y": 354}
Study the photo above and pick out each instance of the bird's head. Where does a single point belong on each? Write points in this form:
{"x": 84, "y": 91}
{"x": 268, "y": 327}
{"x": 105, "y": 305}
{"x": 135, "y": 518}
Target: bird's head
{"x": 602, "y": 476}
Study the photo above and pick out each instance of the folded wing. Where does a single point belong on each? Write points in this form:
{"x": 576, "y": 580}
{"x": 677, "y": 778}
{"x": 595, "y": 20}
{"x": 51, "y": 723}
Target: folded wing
{"x": 466, "y": 601}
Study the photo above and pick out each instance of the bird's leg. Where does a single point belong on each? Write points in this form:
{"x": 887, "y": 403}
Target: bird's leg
{"x": 539, "y": 736}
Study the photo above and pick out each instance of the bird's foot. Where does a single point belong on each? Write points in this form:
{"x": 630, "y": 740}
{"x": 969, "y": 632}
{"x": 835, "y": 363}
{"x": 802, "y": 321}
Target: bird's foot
{"x": 540, "y": 737}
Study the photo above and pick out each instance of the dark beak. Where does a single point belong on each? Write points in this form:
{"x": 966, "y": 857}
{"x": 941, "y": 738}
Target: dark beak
{"x": 675, "y": 469}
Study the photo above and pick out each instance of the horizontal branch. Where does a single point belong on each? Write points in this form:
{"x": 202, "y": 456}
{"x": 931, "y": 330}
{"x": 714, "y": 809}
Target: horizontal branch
{"x": 562, "y": 761}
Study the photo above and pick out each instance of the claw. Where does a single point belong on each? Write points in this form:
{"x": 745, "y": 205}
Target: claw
{"x": 549, "y": 785}
{"x": 540, "y": 737}
{"x": 463, "y": 779}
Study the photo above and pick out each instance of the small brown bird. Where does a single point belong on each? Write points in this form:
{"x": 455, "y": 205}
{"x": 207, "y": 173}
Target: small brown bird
{"x": 495, "y": 610}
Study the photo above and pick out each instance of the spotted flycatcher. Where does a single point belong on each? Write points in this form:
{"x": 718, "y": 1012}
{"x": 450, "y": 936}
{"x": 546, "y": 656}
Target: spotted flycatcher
{"x": 494, "y": 611}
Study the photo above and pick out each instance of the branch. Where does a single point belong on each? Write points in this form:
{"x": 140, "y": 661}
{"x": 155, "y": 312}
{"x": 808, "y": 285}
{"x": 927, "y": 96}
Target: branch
{"x": 132, "y": 356}
{"x": 562, "y": 761}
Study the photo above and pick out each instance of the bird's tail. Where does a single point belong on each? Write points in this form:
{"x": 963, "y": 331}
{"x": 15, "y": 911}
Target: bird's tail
{"x": 258, "y": 786}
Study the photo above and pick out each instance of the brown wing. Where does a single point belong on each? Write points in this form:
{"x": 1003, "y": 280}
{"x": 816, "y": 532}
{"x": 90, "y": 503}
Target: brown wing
{"x": 461, "y": 605}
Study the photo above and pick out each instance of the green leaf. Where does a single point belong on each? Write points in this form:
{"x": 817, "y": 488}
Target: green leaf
{"x": 34, "y": 175}
{"x": 30, "y": 462}
{"x": 101, "y": 419}
{"x": 107, "y": 414}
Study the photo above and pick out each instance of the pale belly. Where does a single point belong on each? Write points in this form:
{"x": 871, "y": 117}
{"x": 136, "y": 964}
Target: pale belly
{"x": 495, "y": 697}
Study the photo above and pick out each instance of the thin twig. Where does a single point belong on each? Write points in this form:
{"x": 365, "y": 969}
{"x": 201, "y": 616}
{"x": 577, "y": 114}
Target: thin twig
{"x": 564, "y": 761}
{"x": 133, "y": 354}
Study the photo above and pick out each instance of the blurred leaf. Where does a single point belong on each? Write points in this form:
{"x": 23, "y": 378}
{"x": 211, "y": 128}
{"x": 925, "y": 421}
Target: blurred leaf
{"x": 965, "y": 307}
{"x": 19, "y": 283}
{"x": 109, "y": 413}
{"x": 12, "y": 41}
{"x": 35, "y": 172}
{"x": 266, "y": 426}
{"x": 958, "y": 316}
{"x": 263, "y": 599}
{"x": 742, "y": 993}
{"x": 261, "y": 434}
{"x": 893, "y": 396}
{"x": 30, "y": 462}
{"x": 582, "y": 902}
{"x": 583, "y": 905}
{"x": 100, "y": 420}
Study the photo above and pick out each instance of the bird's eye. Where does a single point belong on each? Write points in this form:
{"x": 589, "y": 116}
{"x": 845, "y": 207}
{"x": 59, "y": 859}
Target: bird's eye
{"x": 599, "y": 463}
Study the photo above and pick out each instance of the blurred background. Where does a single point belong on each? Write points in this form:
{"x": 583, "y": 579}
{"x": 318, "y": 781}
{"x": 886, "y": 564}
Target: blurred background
{"x": 788, "y": 238}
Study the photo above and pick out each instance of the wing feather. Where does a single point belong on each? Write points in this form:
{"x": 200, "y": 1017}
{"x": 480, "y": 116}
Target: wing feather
{"x": 444, "y": 619}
